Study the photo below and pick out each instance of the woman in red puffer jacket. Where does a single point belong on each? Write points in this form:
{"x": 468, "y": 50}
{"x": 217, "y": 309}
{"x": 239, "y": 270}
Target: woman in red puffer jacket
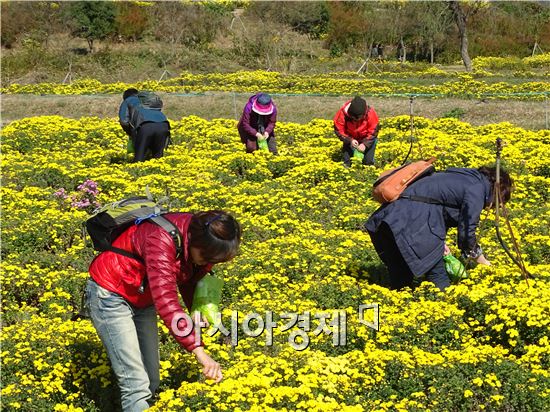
{"x": 125, "y": 316}
{"x": 356, "y": 125}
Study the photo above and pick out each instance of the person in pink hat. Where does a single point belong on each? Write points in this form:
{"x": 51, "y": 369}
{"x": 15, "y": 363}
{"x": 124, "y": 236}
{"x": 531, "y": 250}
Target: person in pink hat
{"x": 257, "y": 123}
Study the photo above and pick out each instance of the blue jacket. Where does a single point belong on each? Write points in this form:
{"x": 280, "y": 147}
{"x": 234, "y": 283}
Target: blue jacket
{"x": 420, "y": 228}
{"x": 132, "y": 113}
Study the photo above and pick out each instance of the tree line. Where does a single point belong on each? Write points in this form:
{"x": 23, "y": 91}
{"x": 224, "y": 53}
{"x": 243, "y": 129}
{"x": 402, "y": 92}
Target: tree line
{"x": 431, "y": 31}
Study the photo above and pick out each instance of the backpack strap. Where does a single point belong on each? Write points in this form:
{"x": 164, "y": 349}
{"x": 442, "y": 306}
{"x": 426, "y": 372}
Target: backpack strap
{"x": 425, "y": 199}
{"x": 126, "y": 253}
{"x": 169, "y": 227}
{"x": 172, "y": 230}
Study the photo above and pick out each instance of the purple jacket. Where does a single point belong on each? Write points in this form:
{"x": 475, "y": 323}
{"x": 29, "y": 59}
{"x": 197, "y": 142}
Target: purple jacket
{"x": 248, "y": 125}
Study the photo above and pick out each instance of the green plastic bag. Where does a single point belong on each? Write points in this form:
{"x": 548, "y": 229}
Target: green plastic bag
{"x": 262, "y": 145}
{"x": 358, "y": 155}
{"x": 206, "y": 299}
{"x": 130, "y": 146}
{"x": 455, "y": 269}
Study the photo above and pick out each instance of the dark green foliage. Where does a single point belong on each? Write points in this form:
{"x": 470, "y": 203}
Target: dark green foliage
{"x": 212, "y": 36}
{"x": 456, "y": 113}
{"x": 92, "y": 20}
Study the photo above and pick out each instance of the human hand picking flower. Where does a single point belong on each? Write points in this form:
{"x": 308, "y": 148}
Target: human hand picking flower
{"x": 482, "y": 260}
{"x": 211, "y": 368}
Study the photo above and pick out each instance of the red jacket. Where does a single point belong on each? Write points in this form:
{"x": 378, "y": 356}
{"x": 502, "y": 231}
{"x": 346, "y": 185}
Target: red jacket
{"x": 165, "y": 273}
{"x": 360, "y": 130}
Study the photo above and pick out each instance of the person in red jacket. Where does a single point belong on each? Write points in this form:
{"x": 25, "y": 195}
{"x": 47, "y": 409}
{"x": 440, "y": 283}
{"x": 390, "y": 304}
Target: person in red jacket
{"x": 356, "y": 125}
{"x": 125, "y": 314}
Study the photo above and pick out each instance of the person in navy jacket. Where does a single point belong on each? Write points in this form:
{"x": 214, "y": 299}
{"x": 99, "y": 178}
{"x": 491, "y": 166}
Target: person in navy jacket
{"x": 409, "y": 233}
{"x": 148, "y": 128}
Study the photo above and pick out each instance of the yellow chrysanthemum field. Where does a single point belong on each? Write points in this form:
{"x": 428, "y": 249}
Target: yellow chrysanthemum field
{"x": 482, "y": 345}
{"x": 478, "y": 84}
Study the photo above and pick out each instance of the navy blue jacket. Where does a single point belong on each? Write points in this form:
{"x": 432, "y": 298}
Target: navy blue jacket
{"x": 132, "y": 113}
{"x": 420, "y": 228}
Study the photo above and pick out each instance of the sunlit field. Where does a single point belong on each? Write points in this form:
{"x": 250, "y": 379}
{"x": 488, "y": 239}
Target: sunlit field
{"x": 482, "y": 345}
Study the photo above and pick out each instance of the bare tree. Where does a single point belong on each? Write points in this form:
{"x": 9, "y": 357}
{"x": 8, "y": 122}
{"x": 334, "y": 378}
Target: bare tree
{"x": 432, "y": 23}
{"x": 461, "y": 17}
{"x": 388, "y": 23}
{"x": 537, "y": 22}
{"x": 461, "y": 12}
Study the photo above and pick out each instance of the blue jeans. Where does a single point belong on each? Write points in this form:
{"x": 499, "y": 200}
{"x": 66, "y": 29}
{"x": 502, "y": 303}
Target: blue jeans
{"x": 130, "y": 337}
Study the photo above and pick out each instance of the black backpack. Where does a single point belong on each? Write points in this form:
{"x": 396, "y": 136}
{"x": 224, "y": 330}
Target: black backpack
{"x": 150, "y": 100}
{"x": 111, "y": 220}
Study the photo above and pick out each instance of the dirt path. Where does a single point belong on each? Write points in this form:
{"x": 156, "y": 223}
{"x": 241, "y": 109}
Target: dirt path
{"x": 299, "y": 109}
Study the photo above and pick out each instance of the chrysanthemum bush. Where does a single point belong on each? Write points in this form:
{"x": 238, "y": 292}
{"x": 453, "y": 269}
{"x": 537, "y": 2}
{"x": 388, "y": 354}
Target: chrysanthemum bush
{"x": 478, "y": 84}
{"x": 512, "y": 63}
{"x": 482, "y": 345}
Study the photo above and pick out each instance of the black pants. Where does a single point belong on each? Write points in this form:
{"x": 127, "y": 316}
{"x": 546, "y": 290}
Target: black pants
{"x": 400, "y": 274}
{"x": 347, "y": 151}
{"x": 153, "y": 137}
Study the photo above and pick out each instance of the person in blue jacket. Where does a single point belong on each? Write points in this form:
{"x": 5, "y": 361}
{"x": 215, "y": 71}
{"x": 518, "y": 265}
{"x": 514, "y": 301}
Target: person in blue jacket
{"x": 148, "y": 128}
{"x": 409, "y": 233}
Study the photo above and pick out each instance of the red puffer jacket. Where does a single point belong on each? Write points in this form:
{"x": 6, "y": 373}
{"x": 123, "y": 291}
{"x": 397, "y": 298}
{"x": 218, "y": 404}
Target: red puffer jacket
{"x": 361, "y": 130}
{"x": 165, "y": 273}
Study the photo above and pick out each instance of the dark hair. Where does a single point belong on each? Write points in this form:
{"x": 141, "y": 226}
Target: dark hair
{"x": 129, "y": 92}
{"x": 216, "y": 233}
{"x": 506, "y": 182}
{"x": 357, "y": 107}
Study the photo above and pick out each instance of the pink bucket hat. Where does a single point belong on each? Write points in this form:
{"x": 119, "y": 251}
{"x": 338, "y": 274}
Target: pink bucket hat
{"x": 263, "y": 104}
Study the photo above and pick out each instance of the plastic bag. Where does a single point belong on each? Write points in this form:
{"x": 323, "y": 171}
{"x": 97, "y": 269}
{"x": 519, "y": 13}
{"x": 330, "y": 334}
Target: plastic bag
{"x": 207, "y": 297}
{"x": 455, "y": 269}
{"x": 358, "y": 155}
{"x": 262, "y": 145}
{"x": 130, "y": 146}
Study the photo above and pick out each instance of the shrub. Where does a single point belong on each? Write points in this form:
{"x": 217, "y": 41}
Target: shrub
{"x": 92, "y": 20}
